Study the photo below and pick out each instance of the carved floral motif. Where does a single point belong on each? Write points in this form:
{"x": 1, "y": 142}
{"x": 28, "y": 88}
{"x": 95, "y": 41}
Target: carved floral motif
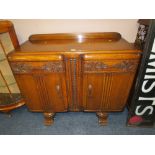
{"x": 126, "y": 65}
{"x": 53, "y": 67}
{"x": 47, "y": 67}
{"x": 21, "y": 68}
{"x": 99, "y": 66}
{"x": 94, "y": 66}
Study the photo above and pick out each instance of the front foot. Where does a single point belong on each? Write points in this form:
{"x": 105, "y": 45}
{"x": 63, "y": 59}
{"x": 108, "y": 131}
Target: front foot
{"x": 49, "y": 118}
{"x": 103, "y": 118}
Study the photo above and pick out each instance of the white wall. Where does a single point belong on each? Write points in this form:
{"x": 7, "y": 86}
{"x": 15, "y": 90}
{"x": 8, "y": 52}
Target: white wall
{"x": 25, "y": 27}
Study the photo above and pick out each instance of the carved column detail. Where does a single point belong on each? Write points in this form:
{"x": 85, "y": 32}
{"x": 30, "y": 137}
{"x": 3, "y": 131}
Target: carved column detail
{"x": 73, "y": 63}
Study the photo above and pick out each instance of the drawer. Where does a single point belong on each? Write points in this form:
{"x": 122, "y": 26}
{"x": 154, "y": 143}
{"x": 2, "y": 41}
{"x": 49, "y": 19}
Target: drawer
{"x": 110, "y": 66}
{"x": 36, "y": 62}
{"x": 36, "y": 67}
{"x": 110, "y": 63}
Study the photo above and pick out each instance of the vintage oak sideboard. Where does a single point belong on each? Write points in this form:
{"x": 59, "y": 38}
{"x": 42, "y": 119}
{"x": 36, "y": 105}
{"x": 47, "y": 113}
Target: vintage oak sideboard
{"x": 89, "y": 72}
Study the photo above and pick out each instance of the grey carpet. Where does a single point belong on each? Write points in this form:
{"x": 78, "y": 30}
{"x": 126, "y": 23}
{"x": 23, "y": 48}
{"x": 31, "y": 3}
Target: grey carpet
{"x": 24, "y": 122}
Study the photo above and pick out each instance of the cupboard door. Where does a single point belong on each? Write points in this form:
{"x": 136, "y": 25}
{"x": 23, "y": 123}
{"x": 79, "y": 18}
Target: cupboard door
{"x": 106, "y": 91}
{"x": 45, "y": 92}
{"x": 43, "y": 84}
{"x": 107, "y": 81}
{"x": 55, "y": 88}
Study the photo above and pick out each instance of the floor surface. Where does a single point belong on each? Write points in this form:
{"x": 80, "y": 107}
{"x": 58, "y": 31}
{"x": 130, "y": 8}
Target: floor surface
{"x": 24, "y": 122}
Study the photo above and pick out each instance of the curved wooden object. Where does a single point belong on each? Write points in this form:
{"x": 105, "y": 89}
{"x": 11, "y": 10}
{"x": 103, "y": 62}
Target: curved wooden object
{"x": 106, "y": 36}
{"x": 8, "y": 108}
{"x": 7, "y": 26}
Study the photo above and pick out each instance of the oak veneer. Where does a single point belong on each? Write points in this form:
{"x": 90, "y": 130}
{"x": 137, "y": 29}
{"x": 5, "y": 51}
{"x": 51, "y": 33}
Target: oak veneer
{"x": 90, "y": 72}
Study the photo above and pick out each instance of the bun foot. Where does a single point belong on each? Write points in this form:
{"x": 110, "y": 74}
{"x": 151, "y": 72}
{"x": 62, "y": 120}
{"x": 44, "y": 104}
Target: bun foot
{"x": 48, "y": 118}
{"x": 102, "y": 118}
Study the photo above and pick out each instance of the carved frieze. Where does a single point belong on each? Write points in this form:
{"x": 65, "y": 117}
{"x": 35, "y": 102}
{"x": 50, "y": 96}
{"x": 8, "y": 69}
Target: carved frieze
{"x": 21, "y": 67}
{"x": 94, "y": 66}
{"x": 28, "y": 67}
{"x": 126, "y": 65}
{"x": 101, "y": 66}
{"x": 53, "y": 67}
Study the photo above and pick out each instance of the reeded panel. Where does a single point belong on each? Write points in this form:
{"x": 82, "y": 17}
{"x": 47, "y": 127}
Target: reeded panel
{"x": 56, "y": 93}
{"x": 106, "y": 91}
{"x": 92, "y": 91}
{"x": 116, "y": 88}
{"x": 44, "y": 92}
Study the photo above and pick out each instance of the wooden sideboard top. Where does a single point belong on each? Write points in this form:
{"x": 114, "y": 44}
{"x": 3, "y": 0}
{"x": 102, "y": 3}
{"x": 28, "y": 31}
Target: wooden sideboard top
{"x": 106, "y": 42}
{"x": 84, "y": 42}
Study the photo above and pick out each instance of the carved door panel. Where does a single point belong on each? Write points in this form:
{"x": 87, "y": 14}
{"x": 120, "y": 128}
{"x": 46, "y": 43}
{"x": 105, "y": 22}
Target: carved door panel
{"x": 43, "y": 84}
{"x": 55, "y": 87}
{"x": 107, "y": 82}
{"x": 106, "y": 91}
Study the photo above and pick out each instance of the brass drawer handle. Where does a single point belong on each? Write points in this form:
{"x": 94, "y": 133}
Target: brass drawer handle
{"x": 59, "y": 92}
{"x": 58, "y": 88}
{"x": 90, "y": 88}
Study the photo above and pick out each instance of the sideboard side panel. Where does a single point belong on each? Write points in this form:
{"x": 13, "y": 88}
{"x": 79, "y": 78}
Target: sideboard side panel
{"x": 29, "y": 89}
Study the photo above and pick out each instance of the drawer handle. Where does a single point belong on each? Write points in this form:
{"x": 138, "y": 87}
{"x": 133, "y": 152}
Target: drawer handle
{"x": 90, "y": 88}
{"x": 58, "y": 90}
